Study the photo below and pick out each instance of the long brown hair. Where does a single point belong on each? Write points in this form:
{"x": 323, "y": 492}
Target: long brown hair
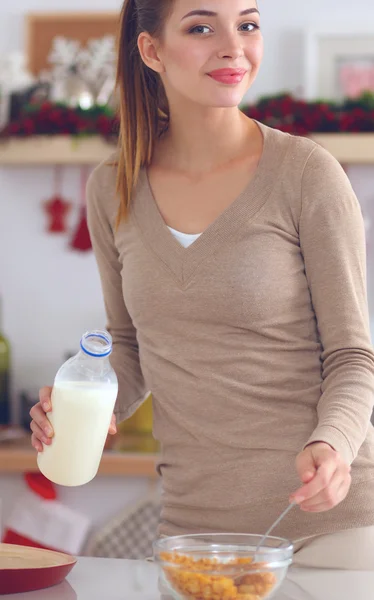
{"x": 143, "y": 107}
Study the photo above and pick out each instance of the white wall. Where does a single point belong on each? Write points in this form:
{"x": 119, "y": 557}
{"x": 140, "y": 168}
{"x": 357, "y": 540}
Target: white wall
{"x": 284, "y": 23}
{"x": 52, "y": 294}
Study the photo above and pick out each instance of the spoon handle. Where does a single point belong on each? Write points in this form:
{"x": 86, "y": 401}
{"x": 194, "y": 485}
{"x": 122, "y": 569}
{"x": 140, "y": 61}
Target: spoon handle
{"x": 274, "y": 525}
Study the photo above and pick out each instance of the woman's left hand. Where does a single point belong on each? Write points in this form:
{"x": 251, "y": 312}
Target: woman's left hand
{"x": 326, "y": 478}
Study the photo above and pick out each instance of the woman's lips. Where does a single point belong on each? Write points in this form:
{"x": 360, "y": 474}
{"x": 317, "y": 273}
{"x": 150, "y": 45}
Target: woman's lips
{"x": 228, "y": 76}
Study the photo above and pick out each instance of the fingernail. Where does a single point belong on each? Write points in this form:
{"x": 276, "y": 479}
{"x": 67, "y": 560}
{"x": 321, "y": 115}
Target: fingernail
{"x": 45, "y": 440}
{"x": 46, "y": 405}
{"x": 48, "y": 431}
{"x": 299, "y": 499}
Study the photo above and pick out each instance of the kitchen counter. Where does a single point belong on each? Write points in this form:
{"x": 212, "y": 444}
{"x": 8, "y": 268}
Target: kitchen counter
{"x": 109, "y": 579}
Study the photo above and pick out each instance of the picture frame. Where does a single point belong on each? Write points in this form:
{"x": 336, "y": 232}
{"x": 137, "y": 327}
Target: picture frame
{"x": 42, "y": 28}
{"x": 338, "y": 64}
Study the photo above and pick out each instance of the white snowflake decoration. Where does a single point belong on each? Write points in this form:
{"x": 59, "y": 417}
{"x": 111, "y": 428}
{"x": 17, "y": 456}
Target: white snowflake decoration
{"x": 94, "y": 65}
{"x": 64, "y": 56}
{"x": 97, "y": 62}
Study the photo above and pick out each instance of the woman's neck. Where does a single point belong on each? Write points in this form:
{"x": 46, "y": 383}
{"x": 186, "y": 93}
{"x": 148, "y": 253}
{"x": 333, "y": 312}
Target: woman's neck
{"x": 204, "y": 140}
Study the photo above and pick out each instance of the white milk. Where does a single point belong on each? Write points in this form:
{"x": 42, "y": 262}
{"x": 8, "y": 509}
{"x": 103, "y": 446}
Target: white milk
{"x": 81, "y": 415}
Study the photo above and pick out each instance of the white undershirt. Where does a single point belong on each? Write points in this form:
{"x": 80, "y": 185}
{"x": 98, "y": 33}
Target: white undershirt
{"x": 185, "y": 239}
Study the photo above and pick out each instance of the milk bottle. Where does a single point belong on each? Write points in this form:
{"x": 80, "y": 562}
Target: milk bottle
{"x": 83, "y": 398}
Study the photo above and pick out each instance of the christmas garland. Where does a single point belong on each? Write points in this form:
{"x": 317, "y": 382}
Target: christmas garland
{"x": 59, "y": 119}
{"x": 302, "y": 118}
{"x": 283, "y": 112}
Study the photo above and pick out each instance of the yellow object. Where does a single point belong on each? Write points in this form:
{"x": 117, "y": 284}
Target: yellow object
{"x": 141, "y": 421}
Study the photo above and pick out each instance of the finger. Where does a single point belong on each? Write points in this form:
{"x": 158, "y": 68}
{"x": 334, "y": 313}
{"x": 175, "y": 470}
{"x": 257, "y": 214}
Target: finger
{"x": 327, "y": 496}
{"x": 336, "y": 497}
{"x": 113, "y": 426}
{"x": 305, "y": 466}
{"x": 38, "y": 415}
{"x": 45, "y": 398}
{"x": 344, "y": 488}
{"x": 322, "y": 507}
{"x": 308, "y": 476}
{"x": 321, "y": 480}
{"x": 39, "y": 433}
{"x": 36, "y": 443}
{"x": 317, "y": 508}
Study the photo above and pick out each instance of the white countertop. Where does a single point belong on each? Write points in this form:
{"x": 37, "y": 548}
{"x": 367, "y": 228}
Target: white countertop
{"x": 107, "y": 579}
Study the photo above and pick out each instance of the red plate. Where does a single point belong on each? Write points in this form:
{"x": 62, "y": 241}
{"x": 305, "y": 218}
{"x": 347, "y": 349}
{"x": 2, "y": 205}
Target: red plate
{"x": 24, "y": 569}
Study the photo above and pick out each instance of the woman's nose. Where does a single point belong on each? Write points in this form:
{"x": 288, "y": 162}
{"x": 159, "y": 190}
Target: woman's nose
{"x": 231, "y": 48}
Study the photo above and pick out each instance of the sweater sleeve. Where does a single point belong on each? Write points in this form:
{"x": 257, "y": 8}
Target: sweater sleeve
{"x": 332, "y": 241}
{"x": 125, "y": 356}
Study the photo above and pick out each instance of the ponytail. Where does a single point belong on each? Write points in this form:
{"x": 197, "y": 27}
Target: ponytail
{"x": 143, "y": 111}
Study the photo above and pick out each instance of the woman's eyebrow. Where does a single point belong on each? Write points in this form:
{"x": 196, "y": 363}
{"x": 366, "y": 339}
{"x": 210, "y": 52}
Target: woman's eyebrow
{"x": 209, "y": 13}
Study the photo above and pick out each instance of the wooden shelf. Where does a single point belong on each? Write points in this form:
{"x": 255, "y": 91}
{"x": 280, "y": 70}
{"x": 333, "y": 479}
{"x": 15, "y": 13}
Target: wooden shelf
{"x": 18, "y": 457}
{"x": 349, "y": 148}
{"x": 54, "y": 150}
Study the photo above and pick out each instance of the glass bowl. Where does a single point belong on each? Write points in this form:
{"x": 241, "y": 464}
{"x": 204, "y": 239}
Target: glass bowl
{"x": 222, "y": 566}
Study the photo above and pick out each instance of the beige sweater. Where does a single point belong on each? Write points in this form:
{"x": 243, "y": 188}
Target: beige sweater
{"x": 253, "y": 341}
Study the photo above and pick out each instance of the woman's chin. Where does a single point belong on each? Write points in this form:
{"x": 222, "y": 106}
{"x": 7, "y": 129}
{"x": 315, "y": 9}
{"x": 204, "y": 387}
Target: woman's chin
{"x": 228, "y": 101}
{"x": 228, "y": 97}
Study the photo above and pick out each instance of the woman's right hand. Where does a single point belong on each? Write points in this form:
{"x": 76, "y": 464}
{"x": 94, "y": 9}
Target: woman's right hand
{"x": 42, "y": 432}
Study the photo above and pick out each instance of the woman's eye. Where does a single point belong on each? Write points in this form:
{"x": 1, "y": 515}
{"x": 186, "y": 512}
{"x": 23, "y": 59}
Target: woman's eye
{"x": 200, "y": 29}
{"x": 248, "y": 27}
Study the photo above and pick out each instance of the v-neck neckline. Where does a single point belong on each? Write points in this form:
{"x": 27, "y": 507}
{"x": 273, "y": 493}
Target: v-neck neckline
{"x": 182, "y": 262}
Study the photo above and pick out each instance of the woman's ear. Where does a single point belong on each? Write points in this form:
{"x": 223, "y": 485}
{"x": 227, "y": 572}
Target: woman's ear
{"x": 148, "y": 49}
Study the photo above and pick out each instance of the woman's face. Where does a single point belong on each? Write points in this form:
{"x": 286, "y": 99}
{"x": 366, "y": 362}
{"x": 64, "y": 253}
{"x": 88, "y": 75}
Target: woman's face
{"x": 210, "y": 51}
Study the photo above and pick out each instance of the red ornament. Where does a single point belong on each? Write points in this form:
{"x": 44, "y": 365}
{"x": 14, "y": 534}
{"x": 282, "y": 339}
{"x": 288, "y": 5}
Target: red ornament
{"x": 81, "y": 238}
{"x": 57, "y": 208}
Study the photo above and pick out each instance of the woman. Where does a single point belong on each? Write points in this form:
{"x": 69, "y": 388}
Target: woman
{"x": 232, "y": 261}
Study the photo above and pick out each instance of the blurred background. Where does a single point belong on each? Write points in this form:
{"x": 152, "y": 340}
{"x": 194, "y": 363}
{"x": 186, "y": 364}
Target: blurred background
{"x": 57, "y": 121}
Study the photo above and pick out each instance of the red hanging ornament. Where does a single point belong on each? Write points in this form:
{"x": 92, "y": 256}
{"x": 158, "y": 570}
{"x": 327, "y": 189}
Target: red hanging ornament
{"x": 81, "y": 239}
{"x": 57, "y": 208}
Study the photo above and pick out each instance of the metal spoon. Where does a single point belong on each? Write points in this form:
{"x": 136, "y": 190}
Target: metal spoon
{"x": 274, "y": 525}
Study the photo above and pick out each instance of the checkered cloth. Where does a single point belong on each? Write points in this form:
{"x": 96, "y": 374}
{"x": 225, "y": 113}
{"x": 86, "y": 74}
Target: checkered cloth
{"x": 130, "y": 534}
